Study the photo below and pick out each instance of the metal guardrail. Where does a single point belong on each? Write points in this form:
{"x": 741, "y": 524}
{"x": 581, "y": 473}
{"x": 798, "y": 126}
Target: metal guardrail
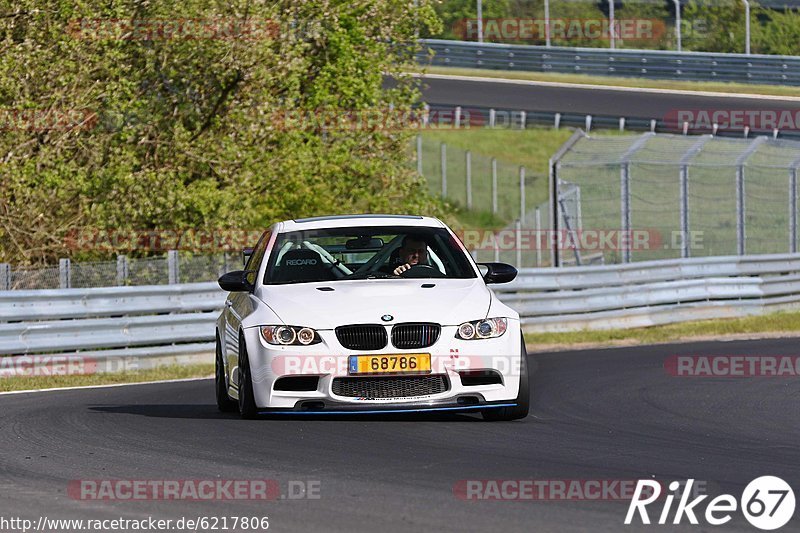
{"x": 167, "y": 323}
{"x": 483, "y": 116}
{"x": 110, "y": 328}
{"x": 654, "y": 64}
{"x": 653, "y": 292}
{"x": 58, "y": 304}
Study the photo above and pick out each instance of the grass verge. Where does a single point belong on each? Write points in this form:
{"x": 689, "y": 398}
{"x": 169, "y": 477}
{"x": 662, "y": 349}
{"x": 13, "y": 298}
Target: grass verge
{"x": 709, "y": 86}
{"x": 531, "y": 148}
{"x": 775, "y": 323}
{"x": 17, "y": 383}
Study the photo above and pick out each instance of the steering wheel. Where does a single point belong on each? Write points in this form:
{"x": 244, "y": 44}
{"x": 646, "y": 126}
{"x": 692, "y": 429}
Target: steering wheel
{"x": 422, "y": 271}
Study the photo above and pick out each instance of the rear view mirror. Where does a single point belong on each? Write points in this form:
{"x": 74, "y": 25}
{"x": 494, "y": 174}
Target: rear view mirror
{"x": 498, "y": 272}
{"x": 235, "y": 281}
{"x": 364, "y": 243}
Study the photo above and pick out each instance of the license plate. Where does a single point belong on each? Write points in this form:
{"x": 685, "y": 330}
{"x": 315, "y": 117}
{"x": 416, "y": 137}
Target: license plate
{"x": 390, "y": 364}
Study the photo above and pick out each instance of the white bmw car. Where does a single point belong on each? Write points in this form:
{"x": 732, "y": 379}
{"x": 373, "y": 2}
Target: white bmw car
{"x": 365, "y": 314}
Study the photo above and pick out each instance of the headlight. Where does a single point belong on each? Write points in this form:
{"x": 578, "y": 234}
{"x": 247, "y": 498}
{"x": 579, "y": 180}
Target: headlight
{"x": 290, "y": 335}
{"x": 482, "y": 329}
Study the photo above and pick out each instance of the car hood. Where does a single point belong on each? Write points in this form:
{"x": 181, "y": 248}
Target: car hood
{"x": 447, "y": 302}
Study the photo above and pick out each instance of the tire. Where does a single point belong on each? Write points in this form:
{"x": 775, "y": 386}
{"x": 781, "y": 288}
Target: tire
{"x": 247, "y": 402}
{"x": 224, "y": 402}
{"x": 523, "y": 397}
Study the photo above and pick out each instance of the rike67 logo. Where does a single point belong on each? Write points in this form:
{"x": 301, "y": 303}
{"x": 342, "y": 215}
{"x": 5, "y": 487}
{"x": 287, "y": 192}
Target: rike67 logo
{"x": 767, "y": 503}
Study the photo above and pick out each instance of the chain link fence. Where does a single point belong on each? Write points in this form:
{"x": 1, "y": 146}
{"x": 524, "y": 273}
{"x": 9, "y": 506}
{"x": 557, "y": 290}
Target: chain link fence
{"x": 676, "y": 196}
{"x": 174, "y": 267}
{"x": 514, "y": 196}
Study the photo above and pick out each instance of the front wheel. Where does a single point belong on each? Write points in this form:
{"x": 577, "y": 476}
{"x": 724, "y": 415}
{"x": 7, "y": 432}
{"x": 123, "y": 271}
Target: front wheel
{"x": 523, "y": 397}
{"x": 224, "y": 402}
{"x": 247, "y": 402}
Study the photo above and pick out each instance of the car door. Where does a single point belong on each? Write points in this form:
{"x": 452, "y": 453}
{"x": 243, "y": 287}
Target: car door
{"x": 238, "y": 306}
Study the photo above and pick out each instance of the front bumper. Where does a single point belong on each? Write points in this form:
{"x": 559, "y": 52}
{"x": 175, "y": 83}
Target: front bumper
{"x": 395, "y": 408}
{"x": 450, "y": 357}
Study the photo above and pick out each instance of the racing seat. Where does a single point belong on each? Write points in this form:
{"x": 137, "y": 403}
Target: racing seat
{"x": 302, "y": 265}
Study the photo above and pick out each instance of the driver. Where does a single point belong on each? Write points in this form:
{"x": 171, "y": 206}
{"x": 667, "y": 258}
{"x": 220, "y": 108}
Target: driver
{"x": 413, "y": 251}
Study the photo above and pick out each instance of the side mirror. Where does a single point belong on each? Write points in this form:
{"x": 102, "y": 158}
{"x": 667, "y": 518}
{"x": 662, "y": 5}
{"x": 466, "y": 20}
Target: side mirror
{"x": 235, "y": 282}
{"x": 246, "y": 253}
{"x": 498, "y": 273}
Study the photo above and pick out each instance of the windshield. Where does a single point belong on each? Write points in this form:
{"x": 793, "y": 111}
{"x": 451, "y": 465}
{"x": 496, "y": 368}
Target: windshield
{"x": 334, "y": 254}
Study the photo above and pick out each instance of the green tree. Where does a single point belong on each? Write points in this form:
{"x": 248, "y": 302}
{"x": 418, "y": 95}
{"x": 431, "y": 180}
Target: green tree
{"x": 715, "y": 26}
{"x": 190, "y": 132}
{"x": 777, "y": 32}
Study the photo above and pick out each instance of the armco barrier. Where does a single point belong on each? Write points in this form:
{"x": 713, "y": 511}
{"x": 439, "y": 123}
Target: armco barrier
{"x": 173, "y": 323}
{"x": 654, "y": 64}
{"x": 653, "y": 292}
{"x": 141, "y": 326}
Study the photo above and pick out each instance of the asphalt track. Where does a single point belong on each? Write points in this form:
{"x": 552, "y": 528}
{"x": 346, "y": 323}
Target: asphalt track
{"x": 601, "y": 414}
{"x": 595, "y": 101}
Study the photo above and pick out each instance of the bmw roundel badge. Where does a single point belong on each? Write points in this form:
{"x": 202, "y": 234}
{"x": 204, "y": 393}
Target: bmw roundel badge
{"x": 387, "y": 318}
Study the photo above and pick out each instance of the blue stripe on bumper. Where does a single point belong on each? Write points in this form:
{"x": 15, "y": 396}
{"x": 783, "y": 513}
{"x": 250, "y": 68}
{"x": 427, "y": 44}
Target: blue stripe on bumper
{"x": 386, "y": 411}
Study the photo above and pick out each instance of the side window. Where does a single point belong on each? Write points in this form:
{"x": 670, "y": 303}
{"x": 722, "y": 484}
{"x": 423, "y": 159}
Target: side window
{"x": 255, "y": 259}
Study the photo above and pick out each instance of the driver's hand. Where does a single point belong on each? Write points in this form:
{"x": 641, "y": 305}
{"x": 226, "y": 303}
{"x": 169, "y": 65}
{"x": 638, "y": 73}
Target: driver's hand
{"x": 402, "y": 268}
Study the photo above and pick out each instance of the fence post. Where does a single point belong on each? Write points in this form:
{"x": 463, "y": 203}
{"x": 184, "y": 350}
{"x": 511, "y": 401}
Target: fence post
{"x": 557, "y": 121}
{"x": 492, "y": 117}
{"x": 64, "y": 274}
{"x": 173, "y": 267}
{"x": 588, "y": 123}
{"x": 684, "y": 209}
{"x": 621, "y": 123}
{"x": 539, "y": 240}
{"x": 625, "y": 207}
{"x": 494, "y": 186}
{"x": 741, "y": 235}
{"x": 458, "y": 117}
{"x": 522, "y": 120}
{"x": 612, "y": 30}
{"x": 746, "y": 27}
{"x": 419, "y": 155}
{"x": 553, "y": 193}
{"x": 468, "y": 157}
{"x": 683, "y": 179}
{"x": 122, "y": 270}
{"x": 547, "y": 22}
{"x": 5, "y": 277}
{"x": 522, "y": 195}
{"x": 793, "y": 210}
{"x": 518, "y": 243}
{"x": 444, "y": 170}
